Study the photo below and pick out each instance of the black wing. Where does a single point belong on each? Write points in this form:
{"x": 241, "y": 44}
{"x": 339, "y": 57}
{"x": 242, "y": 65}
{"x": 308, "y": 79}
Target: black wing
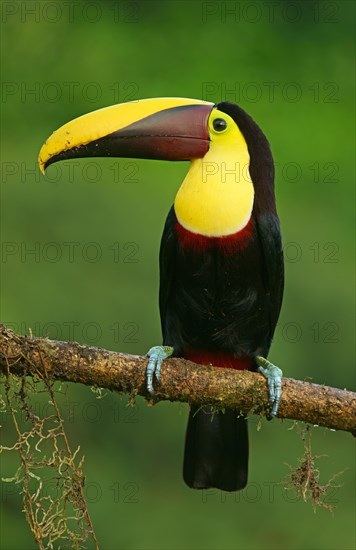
{"x": 167, "y": 266}
{"x": 269, "y": 235}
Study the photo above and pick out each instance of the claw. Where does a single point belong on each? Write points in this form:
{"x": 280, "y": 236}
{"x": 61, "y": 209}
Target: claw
{"x": 156, "y": 355}
{"x": 274, "y": 377}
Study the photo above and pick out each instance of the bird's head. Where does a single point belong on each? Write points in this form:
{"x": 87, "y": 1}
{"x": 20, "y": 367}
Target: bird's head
{"x": 221, "y": 141}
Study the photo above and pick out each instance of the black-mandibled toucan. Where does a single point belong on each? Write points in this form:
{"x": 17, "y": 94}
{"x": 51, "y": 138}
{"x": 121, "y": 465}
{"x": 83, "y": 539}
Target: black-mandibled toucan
{"x": 221, "y": 261}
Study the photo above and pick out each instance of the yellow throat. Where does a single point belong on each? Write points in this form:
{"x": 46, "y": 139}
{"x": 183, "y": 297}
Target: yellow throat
{"x": 216, "y": 197}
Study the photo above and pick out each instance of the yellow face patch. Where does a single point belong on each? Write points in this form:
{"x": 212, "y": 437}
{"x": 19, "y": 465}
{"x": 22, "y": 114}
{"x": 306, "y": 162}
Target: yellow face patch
{"x": 216, "y": 197}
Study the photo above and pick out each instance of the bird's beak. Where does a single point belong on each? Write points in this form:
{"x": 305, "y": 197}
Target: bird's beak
{"x": 163, "y": 129}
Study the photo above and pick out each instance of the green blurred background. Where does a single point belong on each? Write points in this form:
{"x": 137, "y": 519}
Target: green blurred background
{"x": 94, "y": 230}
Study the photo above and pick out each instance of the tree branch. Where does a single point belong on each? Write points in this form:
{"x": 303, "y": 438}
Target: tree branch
{"x": 181, "y": 380}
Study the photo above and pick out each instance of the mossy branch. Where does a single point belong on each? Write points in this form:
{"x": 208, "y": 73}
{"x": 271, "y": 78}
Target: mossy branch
{"x": 181, "y": 380}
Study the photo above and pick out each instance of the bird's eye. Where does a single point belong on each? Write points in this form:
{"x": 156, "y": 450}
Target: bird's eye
{"x": 219, "y": 124}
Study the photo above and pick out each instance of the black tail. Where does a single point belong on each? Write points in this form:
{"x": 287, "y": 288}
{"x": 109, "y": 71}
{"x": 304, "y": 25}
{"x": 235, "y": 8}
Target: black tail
{"x": 216, "y": 450}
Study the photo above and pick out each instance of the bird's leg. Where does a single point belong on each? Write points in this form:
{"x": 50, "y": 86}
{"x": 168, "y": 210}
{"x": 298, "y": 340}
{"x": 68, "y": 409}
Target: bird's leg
{"x": 156, "y": 355}
{"x": 274, "y": 377}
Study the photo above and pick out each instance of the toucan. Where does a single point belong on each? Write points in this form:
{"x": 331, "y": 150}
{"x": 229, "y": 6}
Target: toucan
{"x": 221, "y": 258}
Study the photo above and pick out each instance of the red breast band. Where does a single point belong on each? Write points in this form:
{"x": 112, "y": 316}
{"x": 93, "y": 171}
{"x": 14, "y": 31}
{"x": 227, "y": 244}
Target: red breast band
{"x": 227, "y": 245}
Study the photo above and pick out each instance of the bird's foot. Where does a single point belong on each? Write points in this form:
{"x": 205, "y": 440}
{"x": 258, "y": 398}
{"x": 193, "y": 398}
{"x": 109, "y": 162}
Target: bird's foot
{"x": 156, "y": 355}
{"x": 274, "y": 377}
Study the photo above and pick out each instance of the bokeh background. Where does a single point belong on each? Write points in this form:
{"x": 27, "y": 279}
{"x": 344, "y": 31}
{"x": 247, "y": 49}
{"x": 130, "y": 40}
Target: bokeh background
{"x": 80, "y": 247}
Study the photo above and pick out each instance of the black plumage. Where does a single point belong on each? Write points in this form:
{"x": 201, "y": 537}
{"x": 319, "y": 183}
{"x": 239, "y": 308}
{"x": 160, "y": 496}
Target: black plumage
{"x": 224, "y": 302}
